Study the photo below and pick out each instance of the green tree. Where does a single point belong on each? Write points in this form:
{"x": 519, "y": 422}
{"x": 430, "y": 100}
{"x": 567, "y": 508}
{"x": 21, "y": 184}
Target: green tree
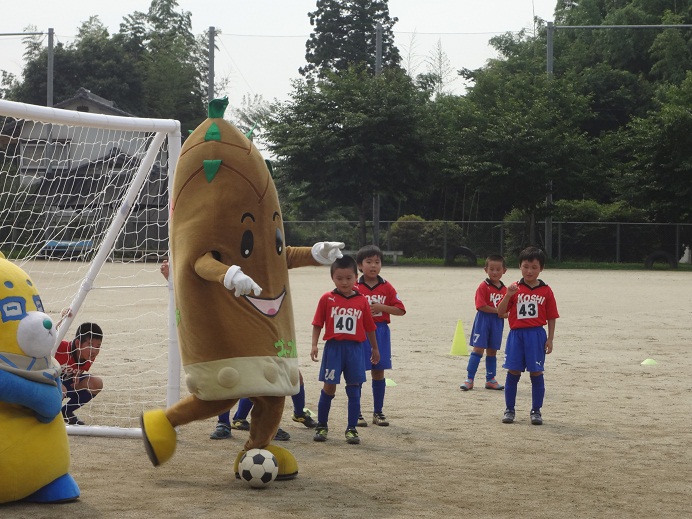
{"x": 350, "y": 136}
{"x": 659, "y": 147}
{"x": 345, "y": 36}
{"x": 153, "y": 67}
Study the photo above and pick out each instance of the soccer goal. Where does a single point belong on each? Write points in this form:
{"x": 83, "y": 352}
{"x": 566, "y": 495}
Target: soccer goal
{"x": 84, "y": 211}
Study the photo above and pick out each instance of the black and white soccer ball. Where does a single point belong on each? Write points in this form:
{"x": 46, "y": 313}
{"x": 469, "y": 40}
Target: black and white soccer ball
{"x": 258, "y": 467}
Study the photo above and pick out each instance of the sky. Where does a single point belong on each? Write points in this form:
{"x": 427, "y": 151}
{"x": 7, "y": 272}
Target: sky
{"x": 262, "y": 42}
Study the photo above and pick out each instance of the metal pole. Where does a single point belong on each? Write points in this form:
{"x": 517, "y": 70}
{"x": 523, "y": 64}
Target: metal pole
{"x": 210, "y": 86}
{"x": 376, "y": 196}
{"x": 49, "y": 79}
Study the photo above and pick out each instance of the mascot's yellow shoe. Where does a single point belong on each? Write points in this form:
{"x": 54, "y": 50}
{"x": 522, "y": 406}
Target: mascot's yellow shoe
{"x": 288, "y": 466}
{"x": 159, "y": 436}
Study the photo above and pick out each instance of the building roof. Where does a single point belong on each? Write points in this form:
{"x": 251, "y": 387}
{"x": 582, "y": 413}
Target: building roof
{"x": 97, "y": 104}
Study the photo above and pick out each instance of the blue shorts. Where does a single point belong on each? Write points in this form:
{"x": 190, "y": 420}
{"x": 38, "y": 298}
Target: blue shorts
{"x": 342, "y": 357}
{"x": 384, "y": 344}
{"x": 487, "y": 331}
{"x": 69, "y": 382}
{"x": 525, "y": 350}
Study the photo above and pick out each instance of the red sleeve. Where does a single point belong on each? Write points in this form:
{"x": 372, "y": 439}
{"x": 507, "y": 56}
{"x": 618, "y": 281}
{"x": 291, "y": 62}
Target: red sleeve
{"x": 320, "y": 313}
{"x": 482, "y": 295}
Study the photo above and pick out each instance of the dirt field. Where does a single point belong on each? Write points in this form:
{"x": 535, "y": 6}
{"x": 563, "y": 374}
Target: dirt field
{"x": 615, "y": 441}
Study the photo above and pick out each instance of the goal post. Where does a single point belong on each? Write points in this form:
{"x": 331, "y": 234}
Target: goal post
{"x": 84, "y": 211}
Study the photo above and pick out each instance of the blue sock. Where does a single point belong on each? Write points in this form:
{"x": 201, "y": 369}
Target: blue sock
{"x": 511, "y": 390}
{"x": 299, "y": 402}
{"x": 225, "y": 418}
{"x": 353, "y": 393}
{"x": 244, "y": 408}
{"x": 490, "y": 367}
{"x": 378, "y": 389}
{"x": 75, "y": 400}
{"x": 474, "y": 361}
{"x": 323, "y": 407}
{"x": 537, "y": 392}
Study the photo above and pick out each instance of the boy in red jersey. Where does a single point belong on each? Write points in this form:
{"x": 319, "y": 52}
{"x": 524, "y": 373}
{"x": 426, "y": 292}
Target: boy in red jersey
{"x": 486, "y": 334}
{"x": 347, "y": 321}
{"x": 75, "y": 358}
{"x": 530, "y": 305}
{"x": 384, "y": 302}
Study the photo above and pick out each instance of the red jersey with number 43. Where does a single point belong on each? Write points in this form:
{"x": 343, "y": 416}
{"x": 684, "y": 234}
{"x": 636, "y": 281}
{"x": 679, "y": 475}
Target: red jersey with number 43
{"x": 531, "y": 307}
{"x": 383, "y": 293}
{"x": 344, "y": 318}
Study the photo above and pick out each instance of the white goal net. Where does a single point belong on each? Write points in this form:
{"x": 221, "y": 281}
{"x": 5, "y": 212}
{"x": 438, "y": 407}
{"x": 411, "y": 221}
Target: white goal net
{"x": 84, "y": 211}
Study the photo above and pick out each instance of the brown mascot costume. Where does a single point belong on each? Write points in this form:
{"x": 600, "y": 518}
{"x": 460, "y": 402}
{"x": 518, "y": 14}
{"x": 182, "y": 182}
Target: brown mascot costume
{"x": 233, "y": 300}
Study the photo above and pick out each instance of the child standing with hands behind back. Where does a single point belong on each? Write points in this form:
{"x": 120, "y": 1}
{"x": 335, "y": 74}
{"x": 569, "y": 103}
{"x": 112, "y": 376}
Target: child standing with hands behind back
{"x": 347, "y": 321}
{"x": 531, "y": 305}
{"x": 384, "y": 302}
{"x": 486, "y": 334}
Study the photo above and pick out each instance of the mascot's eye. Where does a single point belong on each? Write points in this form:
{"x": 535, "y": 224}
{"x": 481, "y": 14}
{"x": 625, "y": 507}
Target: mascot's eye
{"x": 246, "y": 244}
{"x": 279, "y": 242}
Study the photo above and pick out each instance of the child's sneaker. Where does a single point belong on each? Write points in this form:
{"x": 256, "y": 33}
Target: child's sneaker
{"x": 494, "y": 384}
{"x": 306, "y": 420}
{"x": 380, "y": 419}
{"x": 282, "y": 436}
{"x": 321, "y": 431}
{"x": 352, "y": 436}
{"x": 509, "y": 416}
{"x": 467, "y": 385}
{"x": 536, "y": 418}
{"x": 361, "y": 421}
{"x": 222, "y": 431}
{"x": 241, "y": 425}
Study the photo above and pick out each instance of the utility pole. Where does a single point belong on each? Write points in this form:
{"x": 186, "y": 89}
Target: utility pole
{"x": 376, "y": 196}
{"x": 210, "y": 86}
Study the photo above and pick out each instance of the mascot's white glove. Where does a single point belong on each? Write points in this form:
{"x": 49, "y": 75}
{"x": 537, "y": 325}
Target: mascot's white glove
{"x": 242, "y": 284}
{"x": 325, "y": 252}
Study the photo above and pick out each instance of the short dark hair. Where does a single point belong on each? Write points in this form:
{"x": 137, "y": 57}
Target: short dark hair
{"x": 532, "y": 253}
{"x": 86, "y": 330}
{"x": 344, "y": 263}
{"x": 495, "y": 257}
{"x": 368, "y": 251}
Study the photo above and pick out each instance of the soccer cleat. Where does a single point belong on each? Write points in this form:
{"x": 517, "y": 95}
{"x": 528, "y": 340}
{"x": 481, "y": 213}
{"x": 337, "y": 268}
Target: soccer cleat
{"x": 508, "y": 416}
{"x": 352, "y": 436}
{"x": 361, "y": 421}
{"x": 467, "y": 385}
{"x": 306, "y": 420}
{"x": 240, "y": 425}
{"x": 321, "y": 431}
{"x": 494, "y": 384}
{"x": 72, "y": 420}
{"x": 282, "y": 436}
{"x": 222, "y": 431}
{"x": 380, "y": 419}
{"x": 536, "y": 418}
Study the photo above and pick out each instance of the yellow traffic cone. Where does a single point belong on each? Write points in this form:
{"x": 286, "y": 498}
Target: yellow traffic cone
{"x": 459, "y": 343}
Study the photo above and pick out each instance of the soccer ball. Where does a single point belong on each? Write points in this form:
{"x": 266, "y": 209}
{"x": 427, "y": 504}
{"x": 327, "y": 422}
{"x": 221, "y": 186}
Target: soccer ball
{"x": 258, "y": 467}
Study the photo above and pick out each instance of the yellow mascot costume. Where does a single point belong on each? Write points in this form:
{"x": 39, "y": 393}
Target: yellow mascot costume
{"x": 233, "y": 300}
{"x": 34, "y": 451}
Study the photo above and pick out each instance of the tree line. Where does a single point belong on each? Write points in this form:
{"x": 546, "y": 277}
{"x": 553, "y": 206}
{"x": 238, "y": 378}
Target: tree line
{"x": 607, "y": 138}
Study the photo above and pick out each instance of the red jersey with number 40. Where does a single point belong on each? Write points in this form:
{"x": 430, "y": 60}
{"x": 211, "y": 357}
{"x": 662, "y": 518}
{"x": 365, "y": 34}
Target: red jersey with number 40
{"x": 344, "y": 318}
{"x": 531, "y": 307}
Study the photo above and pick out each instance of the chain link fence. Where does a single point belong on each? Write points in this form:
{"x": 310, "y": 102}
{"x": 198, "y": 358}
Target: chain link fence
{"x": 460, "y": 241}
